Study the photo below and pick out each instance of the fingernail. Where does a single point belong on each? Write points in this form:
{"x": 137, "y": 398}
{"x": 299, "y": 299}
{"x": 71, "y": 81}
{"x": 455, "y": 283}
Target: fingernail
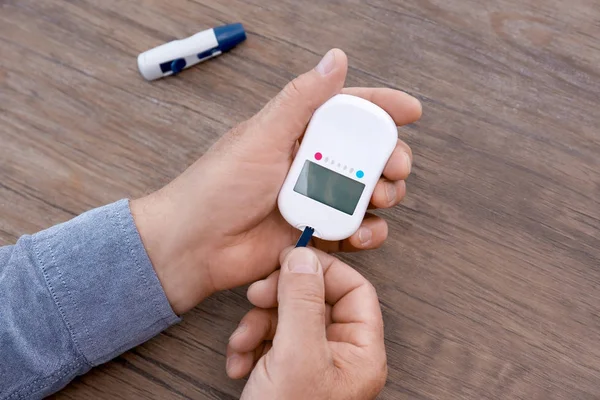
{"x": 408, "y": 162}
{"x": 303, "y": 261}
{"x": 364, "y": 235}
{"x": 390, "y": 192}
{"x": 240, "y": 329}
{"x": 231, "y": 360}
{"x": 326, "y": 64}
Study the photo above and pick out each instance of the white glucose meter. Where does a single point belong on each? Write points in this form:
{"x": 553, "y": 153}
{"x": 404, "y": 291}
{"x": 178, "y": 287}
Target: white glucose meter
{"x": 342, "y": 155}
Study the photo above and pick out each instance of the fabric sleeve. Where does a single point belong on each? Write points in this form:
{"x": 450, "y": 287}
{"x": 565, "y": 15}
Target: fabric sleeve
{"x": 72, "y": 297}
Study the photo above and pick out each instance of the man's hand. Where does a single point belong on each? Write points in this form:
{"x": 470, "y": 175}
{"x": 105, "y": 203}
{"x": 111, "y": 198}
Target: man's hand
{"x": 217, "y": 225}
{"x": 324, "y": 341}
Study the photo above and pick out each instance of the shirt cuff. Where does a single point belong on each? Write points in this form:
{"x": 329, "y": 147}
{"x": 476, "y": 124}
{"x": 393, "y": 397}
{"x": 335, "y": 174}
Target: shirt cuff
{"x": 102, "y": 281}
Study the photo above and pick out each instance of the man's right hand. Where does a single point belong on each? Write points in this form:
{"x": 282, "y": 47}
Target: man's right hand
{"x": 316, "y": 333}
{"x": 217, "y": 225}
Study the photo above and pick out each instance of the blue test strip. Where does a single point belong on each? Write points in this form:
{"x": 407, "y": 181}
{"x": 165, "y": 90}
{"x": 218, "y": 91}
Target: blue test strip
{"x": 305, "y": 237}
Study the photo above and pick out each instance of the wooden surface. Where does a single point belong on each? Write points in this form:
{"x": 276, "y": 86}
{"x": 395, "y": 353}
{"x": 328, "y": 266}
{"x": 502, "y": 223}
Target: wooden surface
{"x": 490, "y": 279}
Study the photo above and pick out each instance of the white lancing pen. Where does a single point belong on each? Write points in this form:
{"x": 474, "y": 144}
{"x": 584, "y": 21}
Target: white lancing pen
{"x": 173, "y": 57}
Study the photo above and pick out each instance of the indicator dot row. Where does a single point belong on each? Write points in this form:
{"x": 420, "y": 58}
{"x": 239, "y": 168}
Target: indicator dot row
{"x": 319, "y": 157}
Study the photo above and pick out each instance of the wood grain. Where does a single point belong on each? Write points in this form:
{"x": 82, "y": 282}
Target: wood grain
{"x": 490, "y": 281}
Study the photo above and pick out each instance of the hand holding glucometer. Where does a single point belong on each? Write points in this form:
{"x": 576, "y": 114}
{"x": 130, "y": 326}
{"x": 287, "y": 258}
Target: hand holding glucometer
{"x": 344, "y": 150}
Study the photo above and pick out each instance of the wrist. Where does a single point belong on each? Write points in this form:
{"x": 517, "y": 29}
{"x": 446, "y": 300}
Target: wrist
{"x": 179, "y": 262}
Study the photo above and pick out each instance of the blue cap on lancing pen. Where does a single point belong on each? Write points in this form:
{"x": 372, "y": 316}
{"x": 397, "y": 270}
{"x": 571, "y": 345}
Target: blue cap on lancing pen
{"x": 173, "y": 57}
{"x": 230, "y": 36}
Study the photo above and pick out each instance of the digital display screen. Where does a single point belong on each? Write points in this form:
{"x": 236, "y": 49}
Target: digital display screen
{"x": 329, "y": 187}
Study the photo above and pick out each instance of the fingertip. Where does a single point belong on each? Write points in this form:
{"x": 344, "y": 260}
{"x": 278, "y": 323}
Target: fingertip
{"x": 334, "y": 59}
{"x": 284, "y": 253}
{"x": 413, "y": 108}
{"x": 263, "y": 293}
{"x": 242, "y": 342}
{"x": 254, "y": 291}
{"x": 238, "y": 365}
{"x": 237, "y": 335}
{"x": 407, "y": 163}
{"x": 401, "y": 188}
{"x": 289, "y": 112}
{"x": 388, "y": 193}
{"x": 301, "y": 260}
{"x": 371, "y": 234}
{"x": 399, "y": 164}
{"x": 334, "y": 66}
{"x": 364, "y": 235}
{"x": 340, "y": 57}
{"x": 257, "y": 326}
{"x": 401, "y": 106}
{"x": 416, "y": 108}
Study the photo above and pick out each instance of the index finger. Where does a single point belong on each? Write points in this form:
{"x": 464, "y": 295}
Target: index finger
{"x": 402, "y": 107}
{"x": 352, "y": 296}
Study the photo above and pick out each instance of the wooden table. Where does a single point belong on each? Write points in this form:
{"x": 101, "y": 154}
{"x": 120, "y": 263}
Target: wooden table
{"x": 490, "y": 280}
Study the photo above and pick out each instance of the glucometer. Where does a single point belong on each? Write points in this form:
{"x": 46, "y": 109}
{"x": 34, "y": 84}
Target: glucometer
{"x": 340, "y": 160}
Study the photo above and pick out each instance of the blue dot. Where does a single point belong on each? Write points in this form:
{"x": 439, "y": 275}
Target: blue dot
{"x": 360, "y": 174}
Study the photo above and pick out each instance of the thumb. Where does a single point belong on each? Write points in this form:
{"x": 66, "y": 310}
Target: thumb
{"x": 301, "y": 297}
{"x": 288, "y": 113}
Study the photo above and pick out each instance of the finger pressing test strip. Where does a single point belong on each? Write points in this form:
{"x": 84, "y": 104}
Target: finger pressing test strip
{"x": 173, "y": 57}
{"x": 340, "y": 160}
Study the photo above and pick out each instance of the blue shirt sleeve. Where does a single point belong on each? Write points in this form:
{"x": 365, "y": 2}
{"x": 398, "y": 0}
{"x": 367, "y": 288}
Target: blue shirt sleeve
{"x": 72, "y": 297}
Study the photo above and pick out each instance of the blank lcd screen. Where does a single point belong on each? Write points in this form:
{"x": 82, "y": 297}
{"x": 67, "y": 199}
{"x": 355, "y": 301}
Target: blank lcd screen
{"x": 328, "y": 187}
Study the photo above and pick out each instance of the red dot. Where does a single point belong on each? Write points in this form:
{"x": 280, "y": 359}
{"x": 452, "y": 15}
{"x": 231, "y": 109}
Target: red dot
{"x": 318, "y": 156}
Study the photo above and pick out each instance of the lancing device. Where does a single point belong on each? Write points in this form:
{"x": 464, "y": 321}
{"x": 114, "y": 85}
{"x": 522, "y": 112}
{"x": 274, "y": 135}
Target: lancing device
{"x": 173, "y": 57}
{"x": 342, "y": 155}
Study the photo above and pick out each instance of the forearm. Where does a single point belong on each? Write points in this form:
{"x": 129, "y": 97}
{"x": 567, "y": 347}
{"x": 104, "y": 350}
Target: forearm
{"x": 72, "y": 297}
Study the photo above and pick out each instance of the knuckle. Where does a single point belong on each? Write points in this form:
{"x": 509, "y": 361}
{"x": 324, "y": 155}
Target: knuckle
{"x": 308, "y": 306}
{"x": 312, "y": 296}
{"x": 314, "y": 310}
{"x": 371, "y": 290}
{"x": 239, "y": 129}
{"x": 292, "y": 89}
{"x": 231, "y": 138}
